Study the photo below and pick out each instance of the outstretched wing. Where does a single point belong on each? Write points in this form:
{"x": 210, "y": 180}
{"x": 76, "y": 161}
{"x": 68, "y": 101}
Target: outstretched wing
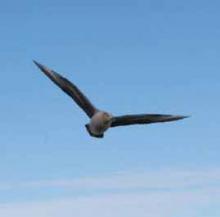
{"x": 70, "y": 89}
{"x": 143, "y": 119}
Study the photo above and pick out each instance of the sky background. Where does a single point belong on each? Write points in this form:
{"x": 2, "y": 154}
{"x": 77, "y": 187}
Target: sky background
{"x": 128, "y": 56}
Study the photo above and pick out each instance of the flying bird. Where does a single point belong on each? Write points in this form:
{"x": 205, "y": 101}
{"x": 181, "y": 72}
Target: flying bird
{"x": 100, "y": 121}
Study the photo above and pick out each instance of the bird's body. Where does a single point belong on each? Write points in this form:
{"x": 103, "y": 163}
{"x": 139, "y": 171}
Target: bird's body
{"x": 100, "y": 121}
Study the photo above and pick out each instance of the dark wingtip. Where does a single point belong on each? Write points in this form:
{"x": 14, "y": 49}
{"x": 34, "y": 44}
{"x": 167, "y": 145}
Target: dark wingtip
{"x": 179, "y": 117}
{"x": 44, "y": 69}
{"x": 35, "y": 62}
{"x": 185, "y": 116}
{"x": 39, "y": 65}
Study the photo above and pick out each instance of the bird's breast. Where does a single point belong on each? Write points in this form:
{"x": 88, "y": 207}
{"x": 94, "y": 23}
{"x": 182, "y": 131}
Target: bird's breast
{"x": 98, "y": 124}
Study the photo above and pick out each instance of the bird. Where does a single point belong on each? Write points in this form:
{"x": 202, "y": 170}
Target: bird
{"x": 101, "y": 121}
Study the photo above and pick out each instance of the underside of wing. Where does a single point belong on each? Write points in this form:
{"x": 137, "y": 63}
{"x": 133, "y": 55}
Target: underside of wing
{"x": 144, "y": 119}
{"x": 69, "y": 88}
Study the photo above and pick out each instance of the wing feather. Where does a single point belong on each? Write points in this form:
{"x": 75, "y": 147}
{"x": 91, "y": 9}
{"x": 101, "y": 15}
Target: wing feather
{"x": 69, "y": 88}
{"x": 144, "y": 119}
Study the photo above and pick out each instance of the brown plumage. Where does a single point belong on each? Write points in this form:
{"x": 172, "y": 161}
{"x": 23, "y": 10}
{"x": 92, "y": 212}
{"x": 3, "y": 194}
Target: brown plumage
{"x": 100, "y": 121}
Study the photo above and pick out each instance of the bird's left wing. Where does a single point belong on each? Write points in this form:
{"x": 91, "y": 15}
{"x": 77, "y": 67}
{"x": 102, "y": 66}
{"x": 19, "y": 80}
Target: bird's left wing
{"x": 69, "y": 88}
{"x": 143, "y": 119}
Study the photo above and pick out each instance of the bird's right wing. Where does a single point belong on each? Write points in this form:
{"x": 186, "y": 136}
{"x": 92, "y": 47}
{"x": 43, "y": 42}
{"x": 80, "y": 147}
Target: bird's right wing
{"x": 143, "y": 119}
{"x": 69, "y": 88}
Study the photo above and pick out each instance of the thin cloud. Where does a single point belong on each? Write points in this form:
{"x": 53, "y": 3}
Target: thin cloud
{"x": 163, "y": 179}
{"x": 173, "y": 193}
{"x": 165, "y": 204}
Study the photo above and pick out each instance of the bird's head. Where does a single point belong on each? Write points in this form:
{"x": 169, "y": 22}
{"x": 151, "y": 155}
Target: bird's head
{"x": 107, "y": 117}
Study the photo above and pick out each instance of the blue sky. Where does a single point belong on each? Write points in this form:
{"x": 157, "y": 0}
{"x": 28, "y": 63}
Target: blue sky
{"x": 128, "y": 57}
